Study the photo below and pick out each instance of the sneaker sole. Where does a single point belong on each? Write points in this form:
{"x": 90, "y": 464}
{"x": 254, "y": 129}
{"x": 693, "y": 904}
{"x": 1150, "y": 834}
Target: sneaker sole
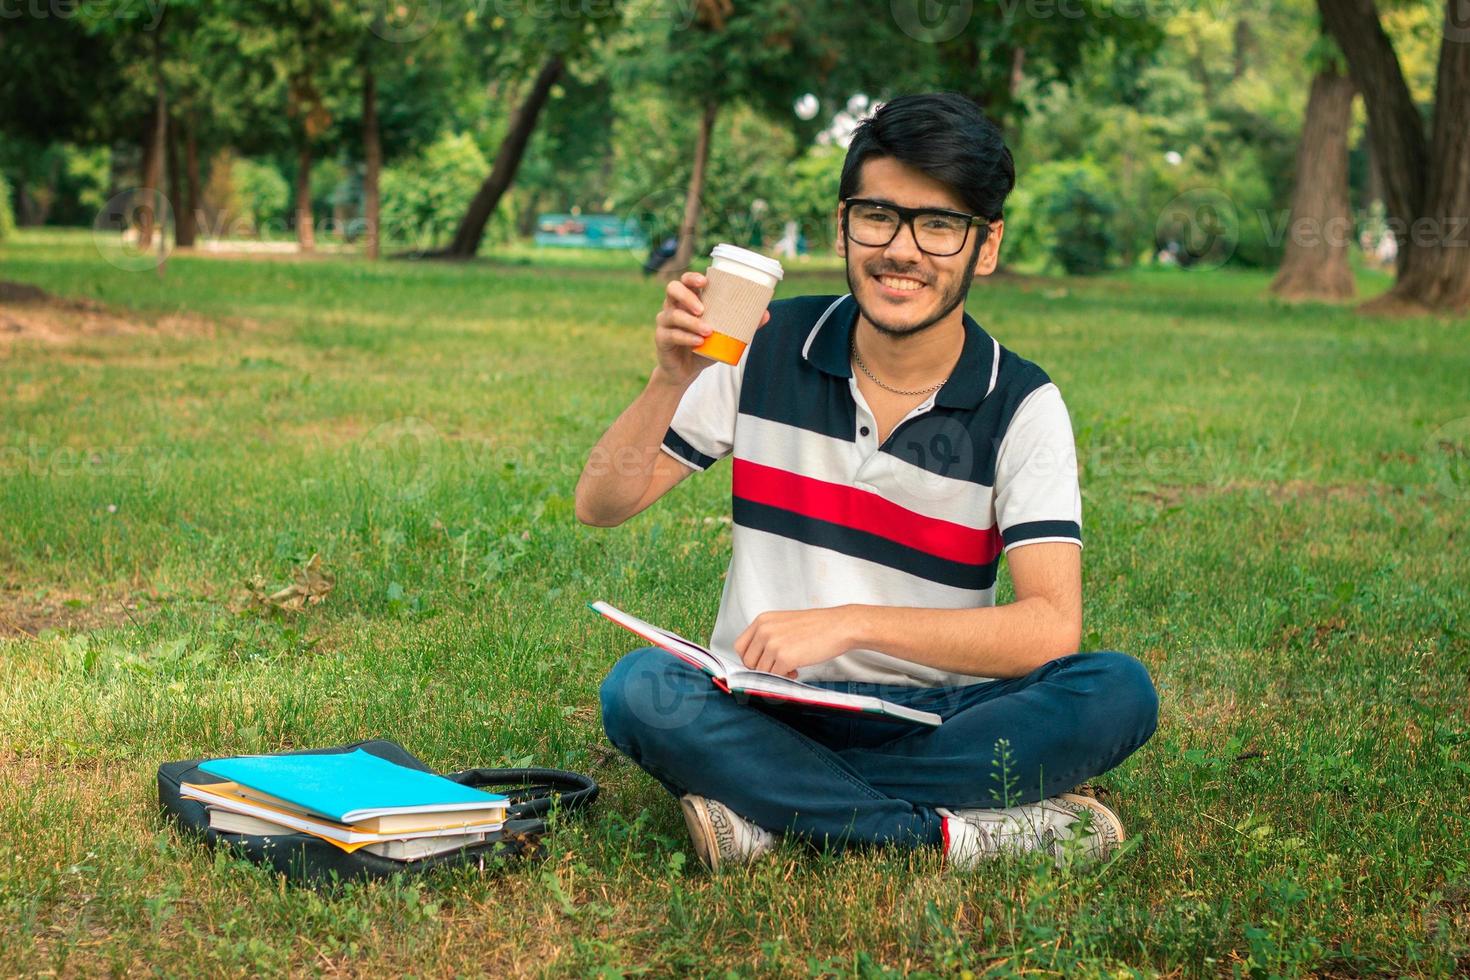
{"x": 1104, "y": 820}
{"x": 701, "y": 831}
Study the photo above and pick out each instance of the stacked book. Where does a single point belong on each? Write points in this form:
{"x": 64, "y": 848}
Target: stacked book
{"x": 352, "y": 799}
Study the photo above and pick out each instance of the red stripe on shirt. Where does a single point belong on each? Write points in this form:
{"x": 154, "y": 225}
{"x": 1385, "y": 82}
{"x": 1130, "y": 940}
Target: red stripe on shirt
{"x": 863, "y": 510}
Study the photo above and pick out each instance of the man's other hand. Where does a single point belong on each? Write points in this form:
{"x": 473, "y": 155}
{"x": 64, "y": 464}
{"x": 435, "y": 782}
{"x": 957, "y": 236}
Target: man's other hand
{"x": 782, "y": 641}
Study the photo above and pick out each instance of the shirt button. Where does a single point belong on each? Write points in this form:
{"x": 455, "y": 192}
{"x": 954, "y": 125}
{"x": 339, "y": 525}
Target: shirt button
{"x": 863, "y": 431}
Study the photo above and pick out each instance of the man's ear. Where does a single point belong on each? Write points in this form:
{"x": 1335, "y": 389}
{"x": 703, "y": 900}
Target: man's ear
{"x": 988, "y": 255}
{"x": 838, "y": 241}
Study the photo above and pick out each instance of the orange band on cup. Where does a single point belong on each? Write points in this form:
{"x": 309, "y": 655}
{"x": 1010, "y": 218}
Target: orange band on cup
{"x": 721, "y": 347}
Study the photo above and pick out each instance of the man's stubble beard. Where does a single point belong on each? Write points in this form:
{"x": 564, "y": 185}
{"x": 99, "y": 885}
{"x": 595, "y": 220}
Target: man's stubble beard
{"x": 946, "y": 306}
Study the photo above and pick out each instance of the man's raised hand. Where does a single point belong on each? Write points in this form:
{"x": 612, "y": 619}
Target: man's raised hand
{"x": 678, "y": 329}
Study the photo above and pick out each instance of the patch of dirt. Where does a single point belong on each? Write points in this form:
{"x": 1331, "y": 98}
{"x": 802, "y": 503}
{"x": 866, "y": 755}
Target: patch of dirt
{"x": 1212, "y": 715}
{"x": 28, "y": 767}
{"x": 333, "y": 432}
{"x": 29, "y": 314}
{"x": 1390, "y": 306}
{"x": 1311, "y": 636}
{"x": 1289, "y": 490}
{"x": 265, "y": 251}
{"x": 24, "y": 614}
{"x": 24, "y": 769}
{"x": 20, "y": 292}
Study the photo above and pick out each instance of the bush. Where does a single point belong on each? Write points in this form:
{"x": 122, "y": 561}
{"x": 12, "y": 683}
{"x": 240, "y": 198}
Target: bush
{"x": 752, "y": 187}
{"x": 332, "y": 185}
{"x": 423, "y": 198}
{"x": 262, "y": 193}
{"x": 808, "y": 195}
{"x": 1260, "y": 240}
{"x": 1062, "y": 214}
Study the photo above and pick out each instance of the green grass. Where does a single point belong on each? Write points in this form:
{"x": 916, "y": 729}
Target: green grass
{"x": 1272, "y": 523}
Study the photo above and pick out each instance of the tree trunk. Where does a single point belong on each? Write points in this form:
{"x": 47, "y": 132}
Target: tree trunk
{"x": 689, "y": 227}
{"x": 526, "y": 220}
{"x": 153, "y": 158}
{"x": 372, "y": 156}
{"x": 1241, "y": 44}
{"x": 175, "y": 183}
{"x": 150, "y": 170}
{"x": 186, "y": 216}
{"x": 1437, "y": 275}
{"x": 471, "y": 230}
{"x": 31, "y": 210}
{"x": 1375, "y": 169}
{"x": 1393, "y": 120}
{"x": 183, "y": 179}
{"x": 1320, "y": 231}
{"x": 305, "y": 230}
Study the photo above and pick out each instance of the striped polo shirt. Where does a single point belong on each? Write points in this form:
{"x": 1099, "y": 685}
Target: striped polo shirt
{"x": 824, "y": 515}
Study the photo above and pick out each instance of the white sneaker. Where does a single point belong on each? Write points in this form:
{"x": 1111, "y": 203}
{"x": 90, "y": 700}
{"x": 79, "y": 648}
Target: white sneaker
{"x": 971, "y": 836}
{"x": 720, "y": 835}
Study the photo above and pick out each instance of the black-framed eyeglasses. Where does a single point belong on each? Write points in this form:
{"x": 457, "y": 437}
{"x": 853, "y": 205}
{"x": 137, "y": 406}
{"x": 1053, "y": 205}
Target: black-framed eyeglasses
{"x": 936, "y": 231}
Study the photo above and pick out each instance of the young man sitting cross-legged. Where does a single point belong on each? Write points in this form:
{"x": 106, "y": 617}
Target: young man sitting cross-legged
{"x": 887, "y": 452}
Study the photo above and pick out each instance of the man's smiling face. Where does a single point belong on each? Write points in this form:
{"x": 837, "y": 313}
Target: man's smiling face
{"x": 901, "y": 289}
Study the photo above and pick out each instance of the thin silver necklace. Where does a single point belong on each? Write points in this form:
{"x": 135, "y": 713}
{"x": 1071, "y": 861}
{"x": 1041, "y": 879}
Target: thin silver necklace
{"x": 873, "y": 378}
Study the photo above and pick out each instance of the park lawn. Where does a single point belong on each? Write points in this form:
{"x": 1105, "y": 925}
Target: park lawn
{"x": 1273, "y": 524}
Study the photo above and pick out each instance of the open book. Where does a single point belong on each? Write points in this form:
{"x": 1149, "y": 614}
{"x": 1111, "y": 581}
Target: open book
{"x": 733, "y": 677}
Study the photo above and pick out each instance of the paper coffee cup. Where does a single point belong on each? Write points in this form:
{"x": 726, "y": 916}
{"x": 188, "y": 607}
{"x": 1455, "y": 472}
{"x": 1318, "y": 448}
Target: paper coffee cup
{"x": 740, "y": 286}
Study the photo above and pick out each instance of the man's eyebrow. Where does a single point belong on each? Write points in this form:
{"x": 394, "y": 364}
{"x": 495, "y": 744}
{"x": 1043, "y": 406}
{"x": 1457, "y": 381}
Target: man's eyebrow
{"x": 918, "y": 207}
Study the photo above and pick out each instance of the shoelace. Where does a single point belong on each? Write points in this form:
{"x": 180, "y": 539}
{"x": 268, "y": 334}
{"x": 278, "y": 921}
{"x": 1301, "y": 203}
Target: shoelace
{"x": 1029, "y": 840}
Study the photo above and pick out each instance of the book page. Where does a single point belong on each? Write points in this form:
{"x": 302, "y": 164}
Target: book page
{"x": 759, "y": 682}
{"x": 737, "y": 678}
{"x": 687, "y": 650}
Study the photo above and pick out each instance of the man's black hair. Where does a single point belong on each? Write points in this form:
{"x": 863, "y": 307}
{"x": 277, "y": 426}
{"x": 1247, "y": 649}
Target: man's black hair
{"x": 946, "y": 136}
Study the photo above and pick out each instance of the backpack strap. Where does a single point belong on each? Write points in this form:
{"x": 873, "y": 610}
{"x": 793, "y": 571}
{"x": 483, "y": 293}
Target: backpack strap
{"x": 533, "y": 793}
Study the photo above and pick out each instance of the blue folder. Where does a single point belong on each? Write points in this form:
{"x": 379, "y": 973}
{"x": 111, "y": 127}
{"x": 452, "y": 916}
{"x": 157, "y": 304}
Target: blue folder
{"x": 352, "y": 786}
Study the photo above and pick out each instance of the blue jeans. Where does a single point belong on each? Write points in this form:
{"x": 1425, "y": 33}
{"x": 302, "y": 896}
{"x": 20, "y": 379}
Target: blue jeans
{"x": 844, "y": 778}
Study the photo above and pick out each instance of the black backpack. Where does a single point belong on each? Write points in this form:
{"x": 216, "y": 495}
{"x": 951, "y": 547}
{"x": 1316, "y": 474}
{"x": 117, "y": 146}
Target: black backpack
{"x": 310, "y": 860}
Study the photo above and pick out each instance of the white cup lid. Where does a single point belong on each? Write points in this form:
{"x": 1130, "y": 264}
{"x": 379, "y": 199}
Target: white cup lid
{"x": 745, "y": 256}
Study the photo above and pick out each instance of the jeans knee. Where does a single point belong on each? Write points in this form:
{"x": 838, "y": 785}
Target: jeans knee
{"x": 1130, "y": 694}
{"x": 615, "y": 691}
{"x": 648, "y": 690}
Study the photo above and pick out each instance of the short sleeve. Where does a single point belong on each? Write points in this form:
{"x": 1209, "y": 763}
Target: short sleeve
{"x": 703, "y": 429}
{"x": 1037, "y": 497}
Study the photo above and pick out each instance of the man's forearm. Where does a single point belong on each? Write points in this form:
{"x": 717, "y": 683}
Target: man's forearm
{"x": 991, "y": 641}
{"x": 620, "y": 467}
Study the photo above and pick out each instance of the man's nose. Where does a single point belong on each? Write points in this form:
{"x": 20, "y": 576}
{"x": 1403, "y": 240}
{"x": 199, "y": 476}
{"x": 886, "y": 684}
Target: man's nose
{"x": 904, "y": 247}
